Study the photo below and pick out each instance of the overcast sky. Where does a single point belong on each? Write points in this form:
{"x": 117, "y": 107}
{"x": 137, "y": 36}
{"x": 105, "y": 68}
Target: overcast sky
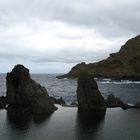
{"x": 51, "y": 36}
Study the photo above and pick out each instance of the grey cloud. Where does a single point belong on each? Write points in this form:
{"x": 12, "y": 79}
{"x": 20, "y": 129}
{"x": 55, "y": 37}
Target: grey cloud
{"x": 71, "y": 56}
{"x": 67, "y": 55}
{"x": 111, "y": 21}
{"x": 109, "y": 18}
{"x": 71, "y": 37}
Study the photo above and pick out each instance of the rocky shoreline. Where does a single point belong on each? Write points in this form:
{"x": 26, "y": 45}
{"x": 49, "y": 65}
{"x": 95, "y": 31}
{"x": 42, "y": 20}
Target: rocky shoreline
{"x": 25, "y": 95}
{"x": 122, "y": 65}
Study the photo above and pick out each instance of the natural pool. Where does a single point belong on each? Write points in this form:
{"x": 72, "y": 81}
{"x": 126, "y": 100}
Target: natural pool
{"x": 66, "y": 124}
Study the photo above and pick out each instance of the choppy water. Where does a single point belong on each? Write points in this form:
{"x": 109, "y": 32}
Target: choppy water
{"x": 128, "y": 91}
{"x": 66, "y": 124}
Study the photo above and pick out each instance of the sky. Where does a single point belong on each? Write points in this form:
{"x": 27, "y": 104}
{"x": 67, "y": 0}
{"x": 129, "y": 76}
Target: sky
{"x": 51, "y": 36}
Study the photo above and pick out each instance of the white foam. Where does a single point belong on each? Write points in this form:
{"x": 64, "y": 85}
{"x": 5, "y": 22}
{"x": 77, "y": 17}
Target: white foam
{"x": 65, "y": 78}
{"x": 107, "y": 79}
{"x": 120, "y": 82}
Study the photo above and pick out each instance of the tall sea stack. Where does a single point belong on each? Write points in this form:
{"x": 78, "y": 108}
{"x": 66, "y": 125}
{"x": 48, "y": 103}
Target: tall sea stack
{"x": 23, "y": 91}
{"x": 88, "y": 95}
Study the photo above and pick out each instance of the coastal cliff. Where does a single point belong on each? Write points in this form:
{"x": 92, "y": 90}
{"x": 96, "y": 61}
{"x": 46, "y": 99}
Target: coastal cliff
{"x": 124, "y": 64}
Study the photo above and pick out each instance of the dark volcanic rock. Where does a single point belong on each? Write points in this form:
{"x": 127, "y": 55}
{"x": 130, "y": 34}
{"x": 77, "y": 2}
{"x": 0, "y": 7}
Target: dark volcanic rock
{"x": 23, "y": 91}
{"x": 124, "y": 64}
{"x": 88, "y": 96}
{"x": 3, "y": 102}
{"x": 113, "y": 101}
{"x": 74, "y": 103}
{"x": 137, "y": 105}
{"x": 59, "y": 101}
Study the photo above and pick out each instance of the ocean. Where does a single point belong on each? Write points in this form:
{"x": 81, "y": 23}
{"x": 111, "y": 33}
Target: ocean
{"x": 65, "y": 123}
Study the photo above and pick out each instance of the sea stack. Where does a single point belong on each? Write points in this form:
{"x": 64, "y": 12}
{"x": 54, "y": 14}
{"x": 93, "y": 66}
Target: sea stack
{"x": 88, "y": 95}
{"x": 23, "y": 91}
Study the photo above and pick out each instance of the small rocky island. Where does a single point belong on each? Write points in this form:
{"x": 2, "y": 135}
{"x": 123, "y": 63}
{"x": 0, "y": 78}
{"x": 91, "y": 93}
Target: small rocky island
{"x": 90, "y": 99}
{"x": 124, "y": 64}
{"x": 88, "y": 95}
{"x": 23, "y": 92}
{"x": 113, "y": 101}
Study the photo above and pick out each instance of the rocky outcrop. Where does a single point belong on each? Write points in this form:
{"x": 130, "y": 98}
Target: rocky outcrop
{"x": 121, "y": 65}
{"x": 88, "y": 95}
{"x": 59, "y": 101}
{"x": 3, "y": 102}
{"x": 113, "y": 101}
{"x": 137, "y": 105}
{"x": 23, "y": 91}
{"x": 74, "y": 103}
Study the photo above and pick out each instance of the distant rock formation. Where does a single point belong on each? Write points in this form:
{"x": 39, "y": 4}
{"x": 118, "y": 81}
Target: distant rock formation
{"x": 23, "y": 91}
{"x": 59, "y": 101}
{"x": 137, "y": 105}
{"x": 113, "y": 101}
{"x": 74, "y": 103}
{"x": 124, "y": 64}
{"x": 88, "y": 95}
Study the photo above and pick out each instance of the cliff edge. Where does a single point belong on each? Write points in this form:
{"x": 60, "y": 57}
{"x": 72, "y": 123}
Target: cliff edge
{"x": 124, "y": 64}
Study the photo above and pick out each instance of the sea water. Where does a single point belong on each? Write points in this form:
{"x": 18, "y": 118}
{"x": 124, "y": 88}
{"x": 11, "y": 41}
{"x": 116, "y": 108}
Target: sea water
{"x": 66, "y": 123}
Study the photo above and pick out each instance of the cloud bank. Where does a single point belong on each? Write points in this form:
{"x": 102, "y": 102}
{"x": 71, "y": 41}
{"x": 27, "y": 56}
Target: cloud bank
{"x": 52, "y": 36}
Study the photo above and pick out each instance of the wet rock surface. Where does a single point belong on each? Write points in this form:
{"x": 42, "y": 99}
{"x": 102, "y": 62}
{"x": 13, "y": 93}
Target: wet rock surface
{"x": 59, "y": 101}
{"x": 3, "y": 102}
{"x": 23, "y": 91}
{"x": 88, "y": 95}
{"x": 74, "y": 103}
{"x": 113, "y": 101}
